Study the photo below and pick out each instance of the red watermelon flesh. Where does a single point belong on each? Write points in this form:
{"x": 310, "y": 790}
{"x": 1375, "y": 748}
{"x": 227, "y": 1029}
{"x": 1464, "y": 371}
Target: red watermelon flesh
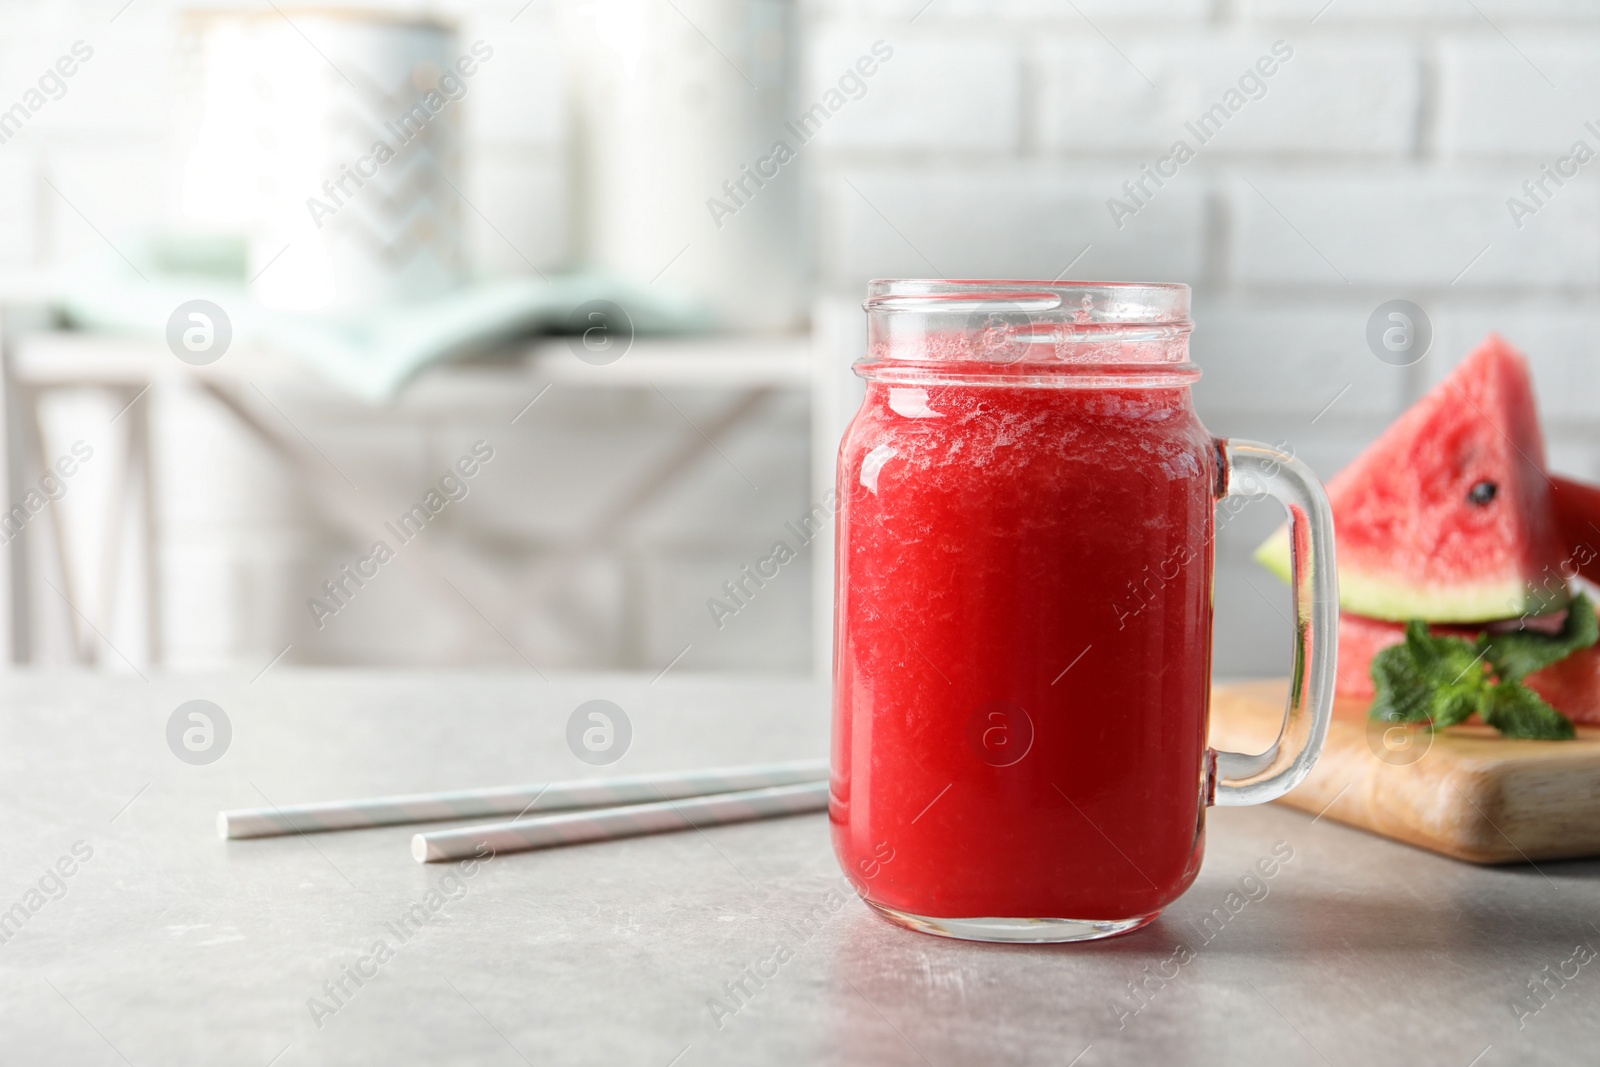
{"x": 1448, "y": 516}
{"x": 1572, "y": 685}
{"x": 1577, "y": 508}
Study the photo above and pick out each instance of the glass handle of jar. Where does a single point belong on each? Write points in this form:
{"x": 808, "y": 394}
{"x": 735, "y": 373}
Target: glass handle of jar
{"x": 1248, "y": 468}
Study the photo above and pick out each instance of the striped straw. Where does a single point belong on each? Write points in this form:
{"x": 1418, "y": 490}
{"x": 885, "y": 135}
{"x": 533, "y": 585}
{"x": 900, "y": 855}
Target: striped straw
{"x": 550, "y": 831}
{"x": 515, "y": 801}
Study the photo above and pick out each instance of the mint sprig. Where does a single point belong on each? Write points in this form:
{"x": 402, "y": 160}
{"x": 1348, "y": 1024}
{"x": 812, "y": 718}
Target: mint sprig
{"x": 1522, "y": 652}
{"x": 1445, "y": 680}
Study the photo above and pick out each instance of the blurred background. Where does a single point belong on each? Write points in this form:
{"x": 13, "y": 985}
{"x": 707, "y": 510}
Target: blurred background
{"x": 556, "y": 301}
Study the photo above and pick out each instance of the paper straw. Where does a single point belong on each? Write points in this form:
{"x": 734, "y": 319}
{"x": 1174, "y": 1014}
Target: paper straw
{"x": 514, "y": 800}
{"x": 550, "y": 831}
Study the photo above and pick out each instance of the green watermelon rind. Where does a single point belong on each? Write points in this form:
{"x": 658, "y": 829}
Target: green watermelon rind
{"x": 1384, "y": 598}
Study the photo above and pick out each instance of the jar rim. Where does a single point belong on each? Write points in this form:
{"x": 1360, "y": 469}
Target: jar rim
{"x": 1028, "y": 332}
{"x": 1085, "y": 303}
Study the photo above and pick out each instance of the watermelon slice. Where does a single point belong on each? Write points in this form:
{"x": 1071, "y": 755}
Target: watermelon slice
{"x": 1571, "y": 685}
{"x": 1447, "y": 516}
{"x": 1578, "y": 522}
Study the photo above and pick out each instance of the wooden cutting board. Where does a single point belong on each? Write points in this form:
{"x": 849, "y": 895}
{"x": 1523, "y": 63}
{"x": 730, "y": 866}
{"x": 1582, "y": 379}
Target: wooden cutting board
{"x": 1466, "y": 792}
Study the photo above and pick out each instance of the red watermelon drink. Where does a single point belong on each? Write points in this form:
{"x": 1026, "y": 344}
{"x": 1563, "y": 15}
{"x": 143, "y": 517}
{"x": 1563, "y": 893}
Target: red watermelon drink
{"x": 1023, "y": 620}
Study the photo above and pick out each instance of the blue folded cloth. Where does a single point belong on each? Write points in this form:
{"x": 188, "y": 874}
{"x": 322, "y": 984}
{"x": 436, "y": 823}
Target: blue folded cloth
{"x": 375, "y": 354}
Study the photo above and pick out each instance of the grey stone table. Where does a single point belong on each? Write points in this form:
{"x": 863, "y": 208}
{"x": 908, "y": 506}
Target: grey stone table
{"x": 165, "y": 945}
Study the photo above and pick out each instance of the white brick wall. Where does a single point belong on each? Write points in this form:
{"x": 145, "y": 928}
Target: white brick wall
{"x": 1025, "y": 220}
{"x": 1499, "y": 103}
{"x": 1023, "y": 12}
{"x": 1327, "y": 99}
{"x": 959, "y": 96}
{"x": 1429, "y": 14}
{"x": 1305, "y": 360}
{"x": 1409, "y": 229}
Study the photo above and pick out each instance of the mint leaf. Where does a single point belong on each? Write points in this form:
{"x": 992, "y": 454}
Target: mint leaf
{"x": 1404, "y": 693}
{"x": 1454, "y": 704}
{"x": 1443, "y": 681}
{"x": 1517, "y": 711}
{"x": 1523, "y": 652}
{"x": 1427, "y": 679}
